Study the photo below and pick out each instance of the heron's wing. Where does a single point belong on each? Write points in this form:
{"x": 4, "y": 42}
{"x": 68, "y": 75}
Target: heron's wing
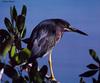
{"x": 43, "y": 40}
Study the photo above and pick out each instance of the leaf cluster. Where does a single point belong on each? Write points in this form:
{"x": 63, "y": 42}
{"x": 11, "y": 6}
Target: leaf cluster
{"x": 93, "y": 68}
{"x": 11, "y": 45}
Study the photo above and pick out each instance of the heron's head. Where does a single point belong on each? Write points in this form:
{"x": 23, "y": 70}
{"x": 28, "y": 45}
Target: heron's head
{"x": 67, "y": 27}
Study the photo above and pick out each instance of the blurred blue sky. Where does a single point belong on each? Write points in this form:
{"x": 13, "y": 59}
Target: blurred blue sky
{"x": 71, "y": 55}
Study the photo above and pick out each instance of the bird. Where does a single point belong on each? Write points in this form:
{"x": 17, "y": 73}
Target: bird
{"x": 46, "y": 35}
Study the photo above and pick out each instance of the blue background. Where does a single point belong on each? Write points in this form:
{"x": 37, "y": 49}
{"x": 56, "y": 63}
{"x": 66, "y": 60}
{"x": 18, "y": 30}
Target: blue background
{"x": 70, "y": 56}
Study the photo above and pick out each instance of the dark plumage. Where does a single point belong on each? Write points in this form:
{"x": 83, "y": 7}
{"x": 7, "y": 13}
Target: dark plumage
{"x": 45, "y": 36}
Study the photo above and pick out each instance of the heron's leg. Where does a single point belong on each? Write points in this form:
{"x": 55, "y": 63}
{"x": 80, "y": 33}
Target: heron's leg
{"x": 50, "y": 65}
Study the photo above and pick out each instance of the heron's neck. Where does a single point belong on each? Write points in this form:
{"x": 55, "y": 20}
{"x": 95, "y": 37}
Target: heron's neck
{"x": 59, "y": 34}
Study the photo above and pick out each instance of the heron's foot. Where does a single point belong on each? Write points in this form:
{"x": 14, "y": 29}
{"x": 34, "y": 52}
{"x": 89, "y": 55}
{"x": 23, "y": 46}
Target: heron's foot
{"x": 54, "y": 81}
{"x": 51, "y": 79}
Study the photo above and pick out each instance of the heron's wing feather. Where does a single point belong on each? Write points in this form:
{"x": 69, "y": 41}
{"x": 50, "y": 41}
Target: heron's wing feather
{"x": 38, "y": 44}
{"x": 43, "y": 40}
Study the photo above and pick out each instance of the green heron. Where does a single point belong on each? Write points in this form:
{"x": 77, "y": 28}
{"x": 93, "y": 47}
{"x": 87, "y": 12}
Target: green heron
{"x": 46, "y": 35}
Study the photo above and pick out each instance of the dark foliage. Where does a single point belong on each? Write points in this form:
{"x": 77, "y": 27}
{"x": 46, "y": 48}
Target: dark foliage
{"x": 93, "y": 68}
{"x": 11, "y": 45}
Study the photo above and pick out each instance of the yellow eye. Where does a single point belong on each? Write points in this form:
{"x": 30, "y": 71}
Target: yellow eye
{"x": 65, "y": 25}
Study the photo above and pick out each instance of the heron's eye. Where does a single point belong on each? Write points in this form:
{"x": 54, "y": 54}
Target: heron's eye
{"x": 65, "y": 26}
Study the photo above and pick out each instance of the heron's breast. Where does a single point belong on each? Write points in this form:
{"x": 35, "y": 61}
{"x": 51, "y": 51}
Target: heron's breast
{"x": 58, "y": 36}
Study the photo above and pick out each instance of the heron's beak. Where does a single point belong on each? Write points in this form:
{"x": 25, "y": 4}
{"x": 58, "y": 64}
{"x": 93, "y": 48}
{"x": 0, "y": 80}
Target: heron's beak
{"x": 71, "y": 29}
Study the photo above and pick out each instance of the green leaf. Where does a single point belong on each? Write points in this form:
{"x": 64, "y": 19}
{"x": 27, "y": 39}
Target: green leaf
{"x": 88, "y": 73}
{"x": 13, "y": 51}
{"x": 81, "y": 80}
{"x": 6, "y": 49}
{"x": 94, "y": 80}
{"x": 27, "y": 52}
{"x": 27, "y": 78}
{"x": 8, "y": 25}
{"x": 37, "y": 78}
{"x": 11, "y": 14}
{"x": 5, "y": 42}
{"x": 22, "y": 56}
{"x": 92, "y": 66}
{"x": 15, "y": 59}
{"x": 19, "y": 79}
{"x": 23, "y": 33}
{"x": 24, "y": 10}
{"x": 33, "y": 71}
{"x": 43, "y": 71}
{"x": 20, "y": 23}
{"x": 18, "y": 42}
{"x": 99, "y": 75}
{"x": 14, "y": 13}
{"x": 6, "y": 81}
{"x": 94, "y": 56}
{"x": 1, "y": 65}
{"x": 10, "y": 71}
